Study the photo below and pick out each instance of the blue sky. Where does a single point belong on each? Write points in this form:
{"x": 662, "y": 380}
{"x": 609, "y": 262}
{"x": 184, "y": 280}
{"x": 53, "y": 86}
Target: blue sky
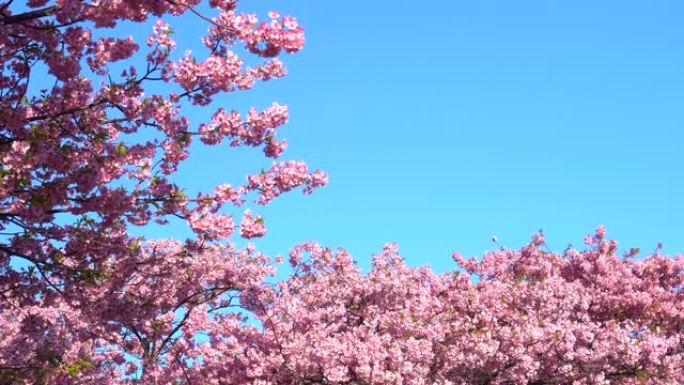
{"x": 442, "y": 123}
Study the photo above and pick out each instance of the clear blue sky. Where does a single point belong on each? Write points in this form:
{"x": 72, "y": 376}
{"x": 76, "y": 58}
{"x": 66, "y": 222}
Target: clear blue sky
{"x": 442, "y": 123}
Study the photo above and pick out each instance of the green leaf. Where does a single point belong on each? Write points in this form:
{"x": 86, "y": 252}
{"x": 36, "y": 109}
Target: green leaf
{"x": 38, "y": 201}
{"x": 184, "y": 139}
{"x": 100, "y": 137}
{"x": 134, "y": 247}
{"x": 75, "y": 367}
{"x": 121, "y": 149}
{"x": 21, "y": 183}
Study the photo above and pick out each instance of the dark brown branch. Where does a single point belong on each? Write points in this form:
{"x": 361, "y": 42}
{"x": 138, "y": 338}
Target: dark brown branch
{"x": 32, "y": 15}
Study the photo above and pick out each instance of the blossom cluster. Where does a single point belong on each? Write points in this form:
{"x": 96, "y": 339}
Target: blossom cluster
{"x": 74, "y": 150}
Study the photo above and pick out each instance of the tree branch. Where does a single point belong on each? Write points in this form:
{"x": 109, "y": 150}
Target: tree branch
{"x": 32, "y": 15}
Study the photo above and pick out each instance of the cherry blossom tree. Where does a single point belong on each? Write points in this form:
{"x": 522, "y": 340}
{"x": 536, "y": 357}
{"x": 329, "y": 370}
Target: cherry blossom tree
{"x": 93, "y": 128}
{"x": 512, "y": 317}
{"x": 90, "y": 139}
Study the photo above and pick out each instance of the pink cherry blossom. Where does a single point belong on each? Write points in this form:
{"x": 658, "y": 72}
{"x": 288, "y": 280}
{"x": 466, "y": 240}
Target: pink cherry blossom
{"x": 252, "y": 226}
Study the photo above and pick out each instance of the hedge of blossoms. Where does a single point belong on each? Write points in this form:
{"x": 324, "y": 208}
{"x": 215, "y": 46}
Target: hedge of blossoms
{"x": 84, "y": 302}
{"x": 514, "y": 317}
